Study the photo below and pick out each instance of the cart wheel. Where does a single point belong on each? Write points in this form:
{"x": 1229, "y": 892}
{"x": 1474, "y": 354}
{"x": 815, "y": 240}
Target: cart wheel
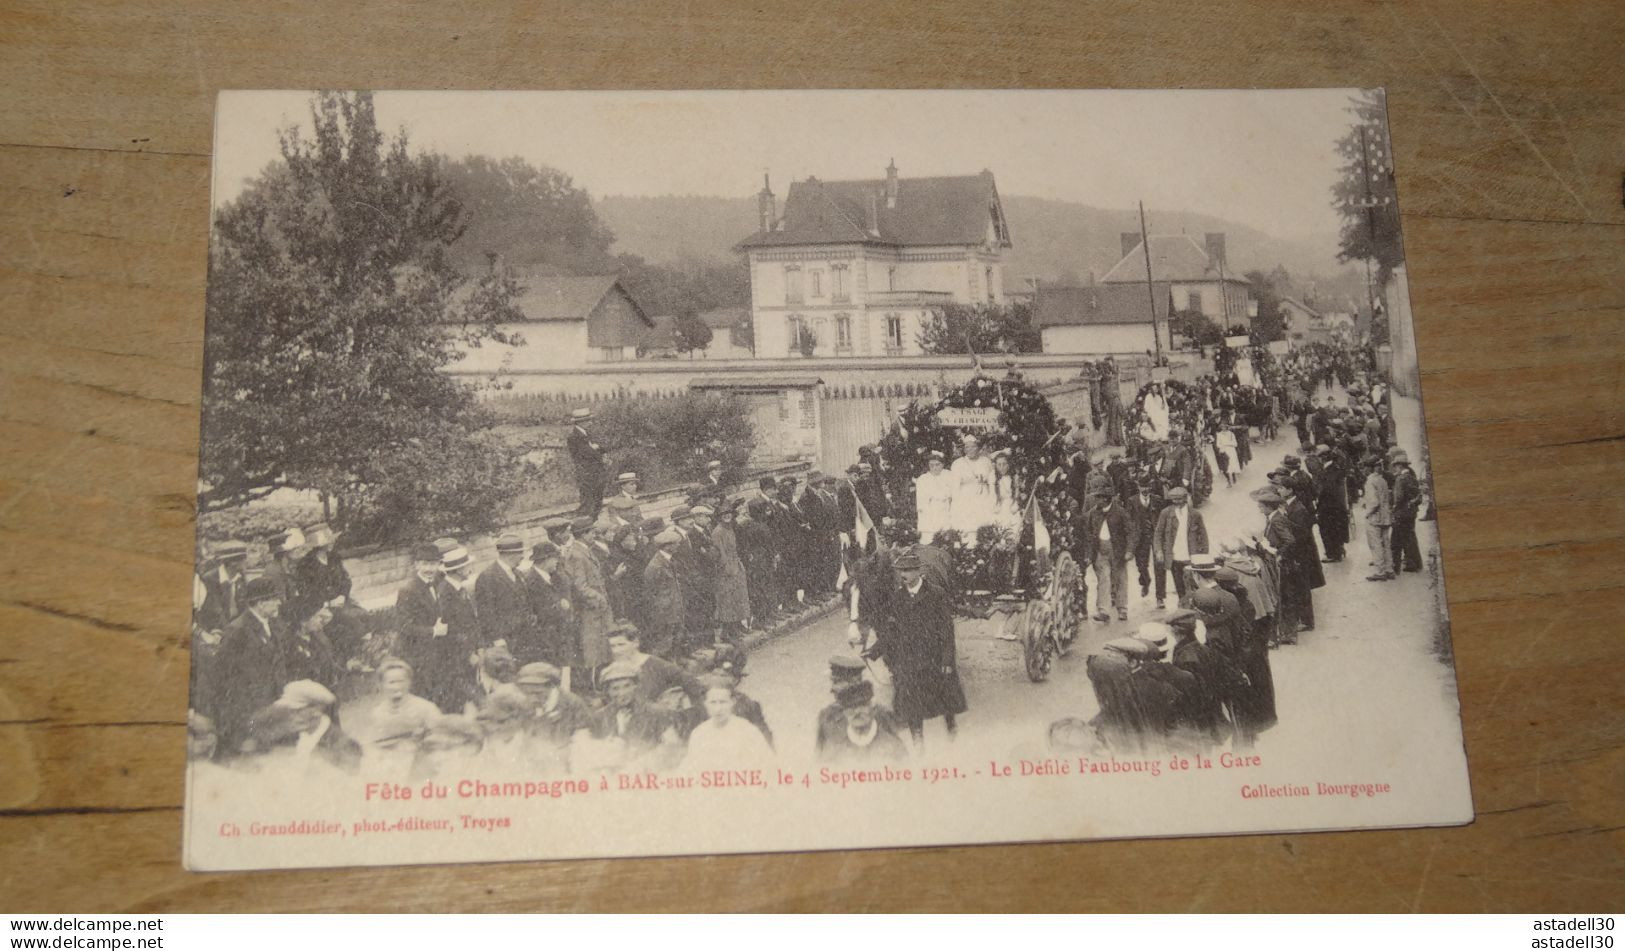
{"x": 1066, "y": 591}
{"x": 1032, "y": 625}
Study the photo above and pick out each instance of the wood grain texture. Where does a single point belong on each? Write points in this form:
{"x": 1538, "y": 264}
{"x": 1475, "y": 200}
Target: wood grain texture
{"x": 1509, "y": 128}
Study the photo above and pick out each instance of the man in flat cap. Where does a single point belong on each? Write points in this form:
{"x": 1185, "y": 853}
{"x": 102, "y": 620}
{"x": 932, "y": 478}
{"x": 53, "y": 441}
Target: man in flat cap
{"x": 1376, "y": 501}
{"x": 641, "y": 734}
{"x": 501, "y": 599}
{"x": 916, "y": 639}
{"x": 1180, "y": 533}
{"x": 664, "y": 602}
{"x": 560, "y": 718}
{"x": 249, "y": 671}
{"x": 590, "y": 461}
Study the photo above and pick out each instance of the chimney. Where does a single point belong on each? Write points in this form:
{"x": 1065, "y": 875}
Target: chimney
{"x": 873, "y": 223}
{"x": 766, "y": 208}
{"x": 891, "y": 184}
{"x": 1215, "y": 248}
{"x": 1130, "y": 240}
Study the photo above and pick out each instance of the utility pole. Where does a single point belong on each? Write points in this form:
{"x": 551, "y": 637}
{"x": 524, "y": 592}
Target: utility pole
{"x": 1151, "y": 290}
{"x": 1369, "y": 204}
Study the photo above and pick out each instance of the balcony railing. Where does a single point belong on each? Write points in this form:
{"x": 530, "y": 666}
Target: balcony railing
{"x": 906, "y": 298}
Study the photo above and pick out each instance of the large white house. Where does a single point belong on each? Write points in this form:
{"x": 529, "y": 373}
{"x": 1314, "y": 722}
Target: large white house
{"x": 855, "y": 268}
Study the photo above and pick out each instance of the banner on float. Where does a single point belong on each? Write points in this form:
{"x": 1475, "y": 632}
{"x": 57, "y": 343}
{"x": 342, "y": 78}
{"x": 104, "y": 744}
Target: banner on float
{"x": 974, "y": 418}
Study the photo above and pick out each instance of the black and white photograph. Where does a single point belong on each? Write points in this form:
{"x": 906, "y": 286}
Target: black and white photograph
{"x": 657, "y": 473}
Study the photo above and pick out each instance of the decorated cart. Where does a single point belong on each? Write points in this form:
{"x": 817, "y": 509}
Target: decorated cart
{"x": 1015, "y": 568}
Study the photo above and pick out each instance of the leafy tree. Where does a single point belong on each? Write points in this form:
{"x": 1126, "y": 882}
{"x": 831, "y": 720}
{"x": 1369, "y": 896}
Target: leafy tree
{"x": 1197, "y": 327}
{"x": 332, "y": 307}
{"x": 690, "y": 285}
{"x": 673, "y": 438}
{"x": 533, "y": 217}
{"x": 691, "y": 332}
{"x": 1366, "y": 196}
{"x": 982, "y": 328}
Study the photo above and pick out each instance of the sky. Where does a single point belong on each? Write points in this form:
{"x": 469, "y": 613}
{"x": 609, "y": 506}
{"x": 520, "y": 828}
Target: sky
{"x": 1262, "y": 158}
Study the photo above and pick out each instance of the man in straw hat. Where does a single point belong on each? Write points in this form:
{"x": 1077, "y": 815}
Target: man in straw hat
{"x": 447, "y": 676}
{"x": 321, "y": 576}
{"x": 590, "y": 463}
{"x": 624, "y": 505}
{"x": 223, "y": 588}
{"x": 501, "y": 598}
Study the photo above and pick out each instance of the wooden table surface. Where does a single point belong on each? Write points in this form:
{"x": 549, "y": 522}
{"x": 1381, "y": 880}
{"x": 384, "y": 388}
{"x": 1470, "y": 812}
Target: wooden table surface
{"x": 1508, "y": 122}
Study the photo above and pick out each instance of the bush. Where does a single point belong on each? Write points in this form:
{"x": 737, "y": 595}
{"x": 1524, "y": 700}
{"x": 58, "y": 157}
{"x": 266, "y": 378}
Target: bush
{"x": 674, "y": 438}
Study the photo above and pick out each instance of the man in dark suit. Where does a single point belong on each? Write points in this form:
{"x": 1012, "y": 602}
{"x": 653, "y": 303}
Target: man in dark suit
{"x": 250, "y": 670}
{"x": 1407, "y": 500}
{"x": 501, "y": 599}
{"x": 592, "y": 468}
{"x": 663, "y": 601}
{"x": 827, "y": 529}
{"x": 1143, "y": 507}
{"x": 916, "y": 639}
{"x": 552, "y": 638}
{"x": 417, "y": 610}
{"x": 757, "y": 554}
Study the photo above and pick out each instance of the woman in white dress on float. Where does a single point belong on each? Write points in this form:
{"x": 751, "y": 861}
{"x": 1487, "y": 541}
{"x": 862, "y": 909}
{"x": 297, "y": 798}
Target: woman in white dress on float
{"x": 1006, "y": 514}
{"x": 934, "y": 498}
{"x": 972, "y": 489}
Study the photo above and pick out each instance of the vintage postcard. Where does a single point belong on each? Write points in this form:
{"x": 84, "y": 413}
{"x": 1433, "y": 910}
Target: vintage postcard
{"x": 621, "y": 474}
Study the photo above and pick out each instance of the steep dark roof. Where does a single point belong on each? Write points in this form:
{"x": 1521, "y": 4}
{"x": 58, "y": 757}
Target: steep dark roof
{"x": 929, "y": 211}
{"x": 1301, "y": 306}
{"x": 1174, "y": 257}
{"x": 552, "y": 297}
{"x": 1098, "y": 304}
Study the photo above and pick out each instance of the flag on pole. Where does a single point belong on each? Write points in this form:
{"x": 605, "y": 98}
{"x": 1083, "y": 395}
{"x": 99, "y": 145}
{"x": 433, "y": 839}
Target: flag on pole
{"x": 863, "y": 539}
{"x": 1040, "y": 531}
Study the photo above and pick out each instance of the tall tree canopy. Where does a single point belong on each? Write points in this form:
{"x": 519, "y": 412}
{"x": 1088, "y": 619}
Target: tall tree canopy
{"x": 333, "y": 305}
{"x": 1365, "y": 196}
{"x": 533, "y": 217}
{"x": 1267, "y": 290}
{"x": 982, "y": 328}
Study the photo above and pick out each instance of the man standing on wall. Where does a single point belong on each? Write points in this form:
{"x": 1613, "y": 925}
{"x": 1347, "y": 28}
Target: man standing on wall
{"x": 589, "y": 461}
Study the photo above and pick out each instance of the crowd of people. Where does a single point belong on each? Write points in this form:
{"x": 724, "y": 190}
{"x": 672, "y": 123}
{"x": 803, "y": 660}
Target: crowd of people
{"x": 611, "y": 643}
{"x": 1166, "y": 687}
{"x": 614, "y": 642}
